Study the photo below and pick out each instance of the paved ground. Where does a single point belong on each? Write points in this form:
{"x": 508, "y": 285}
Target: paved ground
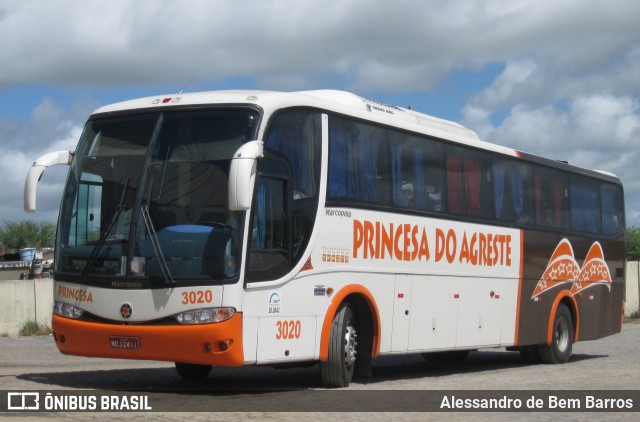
{"x": 606, "y": 364}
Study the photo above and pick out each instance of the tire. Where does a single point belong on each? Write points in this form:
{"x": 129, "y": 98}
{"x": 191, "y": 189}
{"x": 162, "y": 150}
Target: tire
{"x": 192, "y": 371}
{"x": 530, "y": 354}
{"x": 337, "y": 371}
{"x": 561, "y": 345}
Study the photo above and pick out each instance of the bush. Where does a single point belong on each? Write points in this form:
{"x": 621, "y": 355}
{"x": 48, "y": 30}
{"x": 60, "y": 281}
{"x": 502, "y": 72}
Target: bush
{"x": 633, "y": 243}
{"x": 634, "y": 315}
{"x": 34, "y": 328}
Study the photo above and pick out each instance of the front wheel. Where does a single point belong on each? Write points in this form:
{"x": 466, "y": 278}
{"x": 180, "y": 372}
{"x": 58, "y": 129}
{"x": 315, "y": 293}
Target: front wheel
{"x": 337, "y": 370}
{"x": 561, "y": 345}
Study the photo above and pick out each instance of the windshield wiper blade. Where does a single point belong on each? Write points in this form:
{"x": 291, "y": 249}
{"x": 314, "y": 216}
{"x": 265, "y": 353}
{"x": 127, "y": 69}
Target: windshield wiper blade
{"x": 155, "y": 244}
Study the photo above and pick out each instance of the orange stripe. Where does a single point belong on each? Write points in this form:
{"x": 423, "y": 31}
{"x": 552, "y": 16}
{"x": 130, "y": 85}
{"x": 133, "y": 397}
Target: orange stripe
{"x": 174, "y": 343}
{"x": 576, "y": 335}
{"x": 554, "y": 309}
{"x": 520, "y": 280}
{"x": 338, "y": 298}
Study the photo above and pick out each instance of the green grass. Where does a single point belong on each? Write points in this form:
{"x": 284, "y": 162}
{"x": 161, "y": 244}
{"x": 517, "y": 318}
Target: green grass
{"x": 34, "y": 328}
{"x": 632, "y": 317}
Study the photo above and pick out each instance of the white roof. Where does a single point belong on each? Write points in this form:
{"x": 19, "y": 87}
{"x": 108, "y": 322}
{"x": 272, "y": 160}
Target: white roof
{"x": 338, "y": 101}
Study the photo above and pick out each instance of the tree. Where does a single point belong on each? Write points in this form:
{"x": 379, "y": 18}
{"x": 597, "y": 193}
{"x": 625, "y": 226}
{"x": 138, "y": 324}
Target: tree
{"x": 27, "y": 234}
{"x": 633, "y": 243}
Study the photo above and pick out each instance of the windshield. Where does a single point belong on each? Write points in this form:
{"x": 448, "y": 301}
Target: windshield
{"x": 147, "y": 198}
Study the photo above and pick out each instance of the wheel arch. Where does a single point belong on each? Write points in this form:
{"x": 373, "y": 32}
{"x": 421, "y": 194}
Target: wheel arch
{"x": 569, "y": 301}
{"x": 367, "y": 316}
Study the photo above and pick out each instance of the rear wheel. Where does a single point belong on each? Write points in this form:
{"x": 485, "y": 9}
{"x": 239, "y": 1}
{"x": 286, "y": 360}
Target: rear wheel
{"x": 337, "y": 370}
{"x": 530, "y": 354}
{"x": 561, "y": 345}
{"x": 192, "y": 371}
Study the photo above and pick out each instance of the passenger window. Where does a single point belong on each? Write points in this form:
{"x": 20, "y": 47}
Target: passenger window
{"x": 358, "y": 162}
{"x": 612, "y": 207}
{"x": 512, "y": 190}
{"x": 550, "y": 199}
{"x": 468, "y": 183}
{"x": 585, "y": 206}
{"x": 418, "y": 176}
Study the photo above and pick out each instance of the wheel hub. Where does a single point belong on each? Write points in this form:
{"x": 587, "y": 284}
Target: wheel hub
{"x": 350, "y": 346}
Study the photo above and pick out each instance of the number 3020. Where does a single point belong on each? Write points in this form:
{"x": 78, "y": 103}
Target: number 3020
{"x": 197, "y": 296}
{"x": 288, "y": 330}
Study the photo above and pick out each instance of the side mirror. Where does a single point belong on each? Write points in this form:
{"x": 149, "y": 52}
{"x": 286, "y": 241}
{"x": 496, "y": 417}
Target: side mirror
{"x": 242, "y": 175}
{"x": 35, "y": 173}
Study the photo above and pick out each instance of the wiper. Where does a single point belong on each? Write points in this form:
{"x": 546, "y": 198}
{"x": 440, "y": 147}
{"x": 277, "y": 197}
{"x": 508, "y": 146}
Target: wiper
{"x": 114, "y": 219}
{"x": 155, "y": 244}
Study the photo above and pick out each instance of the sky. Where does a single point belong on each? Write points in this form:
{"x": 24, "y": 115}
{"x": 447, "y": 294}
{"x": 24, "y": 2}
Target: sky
{"x": 554, "y": 78}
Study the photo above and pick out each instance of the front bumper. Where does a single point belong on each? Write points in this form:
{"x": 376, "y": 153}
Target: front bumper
{"x": 217, "y": 344}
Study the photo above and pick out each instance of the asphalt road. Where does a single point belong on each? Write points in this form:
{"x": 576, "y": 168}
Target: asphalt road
{"x": 33, "y": 363}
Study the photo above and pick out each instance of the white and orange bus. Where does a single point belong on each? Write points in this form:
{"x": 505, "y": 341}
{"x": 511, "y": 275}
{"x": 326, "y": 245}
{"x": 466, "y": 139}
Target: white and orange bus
{"x": 261, "y": 228}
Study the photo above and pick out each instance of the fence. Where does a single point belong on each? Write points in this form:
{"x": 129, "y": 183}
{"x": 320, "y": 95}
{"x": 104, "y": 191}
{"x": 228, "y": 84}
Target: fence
{"x": 25, "y": 300}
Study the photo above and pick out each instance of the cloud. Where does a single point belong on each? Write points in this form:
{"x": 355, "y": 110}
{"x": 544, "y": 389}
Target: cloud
{"x": 567, "y": 86}
{"x": 519, "y": 78}
{"x": 51, "y": 127}
{"x": 598, "y": 123}
{"x": 387, "y": 46}
{"x": 600, "y": 132}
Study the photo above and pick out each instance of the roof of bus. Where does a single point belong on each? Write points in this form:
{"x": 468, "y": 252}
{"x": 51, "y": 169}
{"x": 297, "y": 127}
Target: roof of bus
{"x": 333, "y": 100}
{"x": 330, "y": 99}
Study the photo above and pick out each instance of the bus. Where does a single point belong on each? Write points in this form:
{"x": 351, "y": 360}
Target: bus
{"x": 237, "y": 228}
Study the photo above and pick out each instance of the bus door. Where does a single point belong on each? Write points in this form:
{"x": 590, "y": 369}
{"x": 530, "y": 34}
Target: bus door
{"x": 282, "y": 335}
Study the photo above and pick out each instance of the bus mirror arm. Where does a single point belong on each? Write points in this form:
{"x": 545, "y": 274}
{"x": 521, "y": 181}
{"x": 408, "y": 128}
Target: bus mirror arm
{"x": 242, "y": 175}
{"x": 35, "y": 173}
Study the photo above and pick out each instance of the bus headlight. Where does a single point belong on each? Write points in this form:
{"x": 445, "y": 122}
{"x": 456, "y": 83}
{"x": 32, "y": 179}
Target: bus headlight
{"x": 205, "y": 316}
{"x": 67, "y": 310}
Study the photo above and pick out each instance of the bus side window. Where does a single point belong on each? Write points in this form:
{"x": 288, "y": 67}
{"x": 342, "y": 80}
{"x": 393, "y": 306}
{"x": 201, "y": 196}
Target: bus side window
{"x": 513, "y": 188}
{"x": 358, "y": 160}
{"x": 585, "y": 209}
{"x": 417, "y": 173}
{"x": 611, "y": 203}
{"x": 269, "y": 244}
{"x": 468, "y": 183}
{"x": 549, "y": 199}
{"x": 295, "y": 137}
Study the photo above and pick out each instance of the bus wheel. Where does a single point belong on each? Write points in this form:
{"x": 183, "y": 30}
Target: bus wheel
{"x": 337, "y": 370}
{"x": 192, "y": 371}
{"x": 530, "y": 354}
{"x": 559, "y": 350}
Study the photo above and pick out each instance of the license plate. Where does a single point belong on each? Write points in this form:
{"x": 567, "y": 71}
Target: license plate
{"x": 120, "y": 342}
